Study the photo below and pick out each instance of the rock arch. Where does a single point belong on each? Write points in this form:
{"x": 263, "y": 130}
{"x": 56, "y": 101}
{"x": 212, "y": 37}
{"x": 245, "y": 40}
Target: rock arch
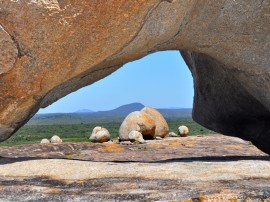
{"x": 56, "y": 47}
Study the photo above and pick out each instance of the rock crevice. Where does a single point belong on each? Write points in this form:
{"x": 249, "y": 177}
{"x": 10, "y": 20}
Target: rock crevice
{"x": 9, "y": 50}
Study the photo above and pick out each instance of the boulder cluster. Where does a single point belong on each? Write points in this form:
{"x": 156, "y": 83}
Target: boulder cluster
{"x": 136, "y": 128}
{"x": 149, "y": 122}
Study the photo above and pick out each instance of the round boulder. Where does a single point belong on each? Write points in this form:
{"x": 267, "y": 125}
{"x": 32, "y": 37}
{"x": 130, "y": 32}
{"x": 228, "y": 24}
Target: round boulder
{"x": 136, "y": 136}
{"x": 55, "y": 139}
{"x": 100, "y": 135}
{"x": 183, "y": 131}
{"x": 44, "y": 141}
{"x": 138, "y": 121}
{"x": 162, "y": 128}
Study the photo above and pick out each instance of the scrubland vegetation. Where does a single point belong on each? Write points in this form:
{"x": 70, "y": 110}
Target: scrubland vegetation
{"x": 81, "y": 132}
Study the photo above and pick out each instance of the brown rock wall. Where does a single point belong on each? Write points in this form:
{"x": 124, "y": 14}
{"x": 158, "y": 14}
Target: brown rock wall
{"x": 62, "y": 46}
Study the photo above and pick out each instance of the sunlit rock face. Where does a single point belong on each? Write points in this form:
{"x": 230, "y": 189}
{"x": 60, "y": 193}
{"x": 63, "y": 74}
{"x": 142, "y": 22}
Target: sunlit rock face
{"x": 54, "y": 47}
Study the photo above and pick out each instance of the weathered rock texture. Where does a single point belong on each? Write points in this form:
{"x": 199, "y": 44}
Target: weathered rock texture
{"x": 100, "y": 135}
{"x": 194, "y": 147}
{"x": 203, "y": 168}
{"x": 138, "y": 121}
{"x": 136, "y": 136}
{"x": 55, "y": 47}
{"x": 162, "y": 128}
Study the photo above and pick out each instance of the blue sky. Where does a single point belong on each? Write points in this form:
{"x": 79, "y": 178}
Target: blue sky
{"x": 160, "y": 80}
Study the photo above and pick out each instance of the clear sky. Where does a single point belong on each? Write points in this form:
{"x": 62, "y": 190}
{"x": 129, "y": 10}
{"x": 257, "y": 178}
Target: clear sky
{"x": 160, "y": 80}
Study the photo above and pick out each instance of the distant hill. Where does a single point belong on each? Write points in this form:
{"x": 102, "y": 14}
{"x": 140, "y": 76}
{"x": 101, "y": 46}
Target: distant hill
{"x": 84, "y": 111}
{"x": 122, "y": 110}
{"x": 173, "y": 114}
{"x": 115, "y": 115}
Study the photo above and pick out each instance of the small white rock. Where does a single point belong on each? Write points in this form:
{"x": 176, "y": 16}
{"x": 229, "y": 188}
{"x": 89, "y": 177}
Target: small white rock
{"x": 126, "y": 143}
{"x": 159, "y": 138}
{"x": 172, "y": 134}
{"x": 136, "y": 136}
{"x": 56, "y": 139}
{"x": 183, "y": 131}
{"x": 44, "y": 141}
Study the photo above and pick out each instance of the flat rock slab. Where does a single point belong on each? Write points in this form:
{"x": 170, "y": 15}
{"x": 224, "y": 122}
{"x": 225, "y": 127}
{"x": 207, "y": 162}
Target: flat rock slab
{"x": 200, "y": 168}
{"x": 203, "y": 147}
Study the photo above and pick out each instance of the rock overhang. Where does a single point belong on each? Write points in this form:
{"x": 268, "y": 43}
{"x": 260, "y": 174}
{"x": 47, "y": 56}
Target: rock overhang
{"x": 60, "y": 47}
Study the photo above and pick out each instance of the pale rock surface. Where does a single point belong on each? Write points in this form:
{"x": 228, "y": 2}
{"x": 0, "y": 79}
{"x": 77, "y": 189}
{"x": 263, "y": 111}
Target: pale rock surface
{"x": 100, "y": 135}
{"x": 136, "y": 136}
{"x": 44, "y": 141}
{"x": 183, "y": 131}
{"x": 173, "y": 134}
{"x": 195, "y": 168}
{"x": 55, "y": 139}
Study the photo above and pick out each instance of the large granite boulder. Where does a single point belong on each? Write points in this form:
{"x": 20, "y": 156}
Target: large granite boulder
{"x": 52, "y": 48}
{"x": 162, "y": 128}
{"x": 137, "y": 121}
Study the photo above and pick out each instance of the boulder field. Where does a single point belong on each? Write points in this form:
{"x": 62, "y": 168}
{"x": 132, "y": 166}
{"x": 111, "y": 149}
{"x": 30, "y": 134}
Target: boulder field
{"x": 49, "y": 49}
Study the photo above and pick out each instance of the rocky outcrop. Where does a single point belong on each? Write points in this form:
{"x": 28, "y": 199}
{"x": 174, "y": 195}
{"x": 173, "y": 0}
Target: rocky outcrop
{"x": 223, "y": 104}
{"x": 192, "y": 147}
{"x": 9, "y": 51}
{"x": 53, "y": 48}
{"x": 198, "y": 168}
